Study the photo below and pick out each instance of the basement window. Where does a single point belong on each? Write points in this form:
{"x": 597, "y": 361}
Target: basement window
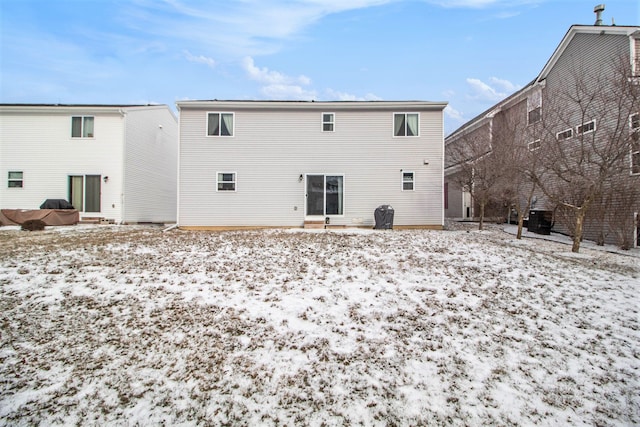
{"x": 407, "y": 181}
{"x": 226, "y": 181}
{"x": 15, "y": 179}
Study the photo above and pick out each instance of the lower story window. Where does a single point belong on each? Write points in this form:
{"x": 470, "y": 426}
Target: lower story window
{"x": 407, "y": 181}
{"x": 84, "y": 192}
{"x": 226, "y": 181}
{"x": 15, "y": 179}
{"x": 635, "y": 157}
{"x": 325, "y": 195}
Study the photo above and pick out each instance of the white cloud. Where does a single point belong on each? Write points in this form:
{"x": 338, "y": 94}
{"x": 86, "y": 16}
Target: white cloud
{"x": 485, "y": 92}
{"x": 453, "y": 114}
{"x": 269, "y": 77}
{"x": 335, "y": 95}
{"x": 200, "y": 59}
{"x": 239, "y": 28}
{"x": 284, "y": 91}
{"x": 479, "y": 4}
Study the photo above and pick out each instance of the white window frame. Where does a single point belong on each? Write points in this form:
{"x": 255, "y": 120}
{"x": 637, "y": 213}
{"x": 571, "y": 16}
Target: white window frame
{"x": 579, "y": 127}
{"x": 634, "y": 122}
{"x": 559, "y": 136}
{"x": 234, "y": 181}
{"x": 220, "y": 113}
{"x": 534, "y": 145}
{"x": 331, "y": 122}
{"x": 83, "y": 120}
{"x": 412, "y": 181}
{"x": 11, "y": 179}
{"x": 407, "y": 113}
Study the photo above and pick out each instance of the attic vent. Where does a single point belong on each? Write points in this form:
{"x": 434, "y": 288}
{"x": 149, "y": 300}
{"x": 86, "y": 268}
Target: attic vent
{"x": 598, "y": 11}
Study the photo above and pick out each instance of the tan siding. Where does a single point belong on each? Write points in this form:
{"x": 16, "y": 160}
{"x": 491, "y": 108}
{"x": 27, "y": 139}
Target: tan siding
{"x": 271, "y": 149}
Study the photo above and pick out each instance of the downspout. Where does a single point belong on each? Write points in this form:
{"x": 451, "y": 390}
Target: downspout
{"x": 122, "y": 164}
{"x": 178, "y": 167}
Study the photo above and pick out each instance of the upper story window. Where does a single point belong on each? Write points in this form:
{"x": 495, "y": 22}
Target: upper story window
{"x": 636, "y": 56}
{"x": 15, "y": 179}
{"x": 534, "y": 145}
{"x": 534, "y": 106}
{"x": 82, "y": 127}
{"x": 226, "y": 181}
{"x": 220, "y": 124}
{"x": 407, "y": 181}
{"x": 535, "y": 115}
{"x": 406, "y": 124}
{"x": 328, "y": 122}
{"x": 587, "y": 127}
{"x": 565, "y": 134}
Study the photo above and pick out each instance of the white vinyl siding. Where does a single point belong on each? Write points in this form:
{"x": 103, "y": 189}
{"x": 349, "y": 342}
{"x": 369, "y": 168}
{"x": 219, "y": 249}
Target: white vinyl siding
{"x": 136, "y": 147}
{"x": 276, "y": 144}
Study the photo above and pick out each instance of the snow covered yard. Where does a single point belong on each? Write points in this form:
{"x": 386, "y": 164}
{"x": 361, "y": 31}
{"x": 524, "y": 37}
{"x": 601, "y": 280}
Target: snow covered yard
{"x": 130, "y": 325}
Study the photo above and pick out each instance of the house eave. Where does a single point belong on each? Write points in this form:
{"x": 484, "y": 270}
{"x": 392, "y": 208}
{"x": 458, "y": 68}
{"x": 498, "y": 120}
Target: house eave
{"x": 314, "y": 105}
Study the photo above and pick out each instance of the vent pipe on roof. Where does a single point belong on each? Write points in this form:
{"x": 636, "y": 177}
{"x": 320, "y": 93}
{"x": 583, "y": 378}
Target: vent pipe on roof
{"x": 598, "y": 11}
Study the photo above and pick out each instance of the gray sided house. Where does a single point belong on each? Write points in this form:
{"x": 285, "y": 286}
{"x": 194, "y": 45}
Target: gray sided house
{"x": 579, "y": 122}
{"x": 116, "y": 163}
{"x": 291, "y": 164}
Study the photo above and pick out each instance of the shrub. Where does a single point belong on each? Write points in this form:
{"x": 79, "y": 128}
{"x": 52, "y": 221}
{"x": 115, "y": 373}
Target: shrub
{"x": 33, "y": 225}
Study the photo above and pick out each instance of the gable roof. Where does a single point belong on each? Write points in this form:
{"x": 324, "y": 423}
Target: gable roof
{"x": 539, "y": 79}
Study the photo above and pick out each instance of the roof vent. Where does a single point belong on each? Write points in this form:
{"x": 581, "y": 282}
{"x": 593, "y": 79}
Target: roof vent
{"x": 598, "y": 11}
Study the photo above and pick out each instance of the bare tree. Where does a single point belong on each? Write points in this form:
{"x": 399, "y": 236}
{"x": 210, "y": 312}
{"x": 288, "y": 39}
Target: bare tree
{"x": 514, "y": 152}
{"x": 477, "y": 171}
{"x": 586, "y": 139}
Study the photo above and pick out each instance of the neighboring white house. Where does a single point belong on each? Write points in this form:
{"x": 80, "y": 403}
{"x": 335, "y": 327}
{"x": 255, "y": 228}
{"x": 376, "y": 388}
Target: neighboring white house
{"x": 115, "y": 162}
{"x": 291, "y": 163}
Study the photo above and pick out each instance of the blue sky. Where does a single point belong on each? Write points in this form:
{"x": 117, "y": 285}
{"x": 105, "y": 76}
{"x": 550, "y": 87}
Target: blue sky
{"x": 470, "y": 53}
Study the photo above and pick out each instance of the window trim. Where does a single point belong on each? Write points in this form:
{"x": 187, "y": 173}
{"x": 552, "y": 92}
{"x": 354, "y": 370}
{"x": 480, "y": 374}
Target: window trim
{"x": 82, "y": 127}
{"x": 220, "y": 113}
{"x": 579, "y": 133}
{"x": 403, "y": 182}
{"x": 234, "y": 182}
{"x": 406, "y": 113}
{"x": 537, "y": 147}
{"x": 15, "y": 180}
{"x": 332, "y": 122}
{"x": 570, "y": 131}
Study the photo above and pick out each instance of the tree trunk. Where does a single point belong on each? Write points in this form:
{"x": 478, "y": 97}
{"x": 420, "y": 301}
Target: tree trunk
{"x": 481, "y": 224}
{"x": 577, "y": 236}
{"x": 520, "y": 224}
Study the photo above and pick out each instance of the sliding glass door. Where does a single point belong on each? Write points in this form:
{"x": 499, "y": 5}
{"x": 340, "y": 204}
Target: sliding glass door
{"x": 325, "y": 195}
